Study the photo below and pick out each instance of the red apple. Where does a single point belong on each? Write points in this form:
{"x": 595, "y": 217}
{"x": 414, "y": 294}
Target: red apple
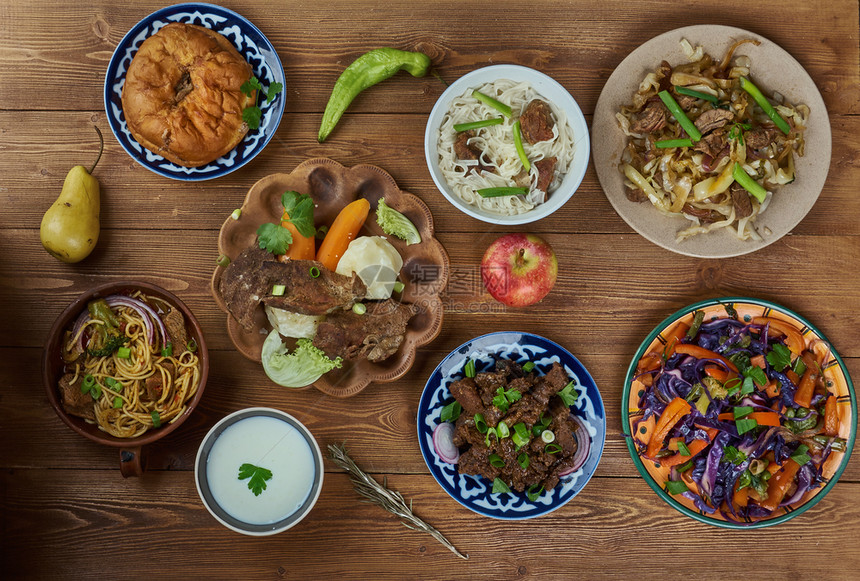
{"x": 519, "y": 269}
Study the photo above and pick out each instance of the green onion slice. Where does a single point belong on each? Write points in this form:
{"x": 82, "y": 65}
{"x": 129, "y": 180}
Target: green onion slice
{"x": 676, "y": 487}
{"x": 745, "y": 425}
{"x": 499, "y": 486}
{"x": 359, "y": 308}
{"x": 533, "y": 492}
{"x": 96, "y": 391}
{"x": 523, "y": 460}
{"x": 528, "y": 366}
{"x": 469, "y": 369}
{"x": 481, "y": 423}
{"x": 223, "y": 260}
{"x": 117, "y": 402}
{"x": 666, "y": 143}
{"x": 518, "y": 142}
{"x": 745, "y": 180}
{"x": 88, "y": 383}
{"x": 399, "y": 286}
{"x": 168, "y": 350}
{"x": 502, "y": 430}
{"x": 192, "y": 345}
{"x": 696, "y": 94}
{"x": 236, "y": 213}
{"x": 552, "y": 448}
{"x": 478, "y": 124}
{"x": 451, "y": 412}
{"x": 490, "y": 102}
{"x": 679, "y": 115}
{"x": 496, "y": 461}
{"x": 683, "y": 449}
{"x": 123, "y": 353}
{"x": 156, "y": 419}
{"x": 765, "y": 105}
{"x": 315, "y": 272}
{"x": 502, "y": 191}
{"x": 278, "y": 290}
{"x": 548, "y": 436}
{"x": 742, "y": 411}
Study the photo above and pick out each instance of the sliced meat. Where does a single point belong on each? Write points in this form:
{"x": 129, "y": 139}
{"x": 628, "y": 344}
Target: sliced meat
{"x": 466, "y": 392}
{"x": 760, "y": 137}
{"x": 73, "y": 401}
{"x": 704, "y": 216}
{"x": 470, "y": 152}
{"x": 652, "y": 118}
{"x": 664, "y": 72}
{"x": 546, "y": 171}
{"x": 376, "y": 335}
{"x": 741, "y": 201}
{"x": 536, "y": 122}
{"x": 635, "y": 195}
{"x": 154, "y": 384}
{"x": 685, "y": 102}
{"x": 248, "y": 280}
{"x": 713, "y": 119}
{"x": 175, "y": 323}
{"x": 713, "y": 144}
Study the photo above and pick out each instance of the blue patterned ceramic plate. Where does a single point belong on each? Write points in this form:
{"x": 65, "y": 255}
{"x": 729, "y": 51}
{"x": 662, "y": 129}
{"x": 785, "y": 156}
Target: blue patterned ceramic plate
{"x": 475, "y": 492}
{"x": 250, "y": 43}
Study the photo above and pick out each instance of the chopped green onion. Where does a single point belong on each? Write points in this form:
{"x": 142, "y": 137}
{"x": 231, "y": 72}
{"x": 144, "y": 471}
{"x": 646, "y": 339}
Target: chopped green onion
{"x": 236, "y": 213}
{"x": 490, "y": 432}
{"x": 113, "y": 384}
{"x": 742, "y": 411}
{"x": 496, "y": 461}
{"x": 745, "y": 426}
{"x": 451, "y": 412}
{"x": 765, "y": 105}
{"x": 478, "y": 124}
{"x": 799, "y": 366}
{"x": 499, "y": 486}
{"x": 399, "y": 286}
{"x": 123, "y": 353}
{"x": 96, "y": 391}
{"x": 519, "y": 440}
{"x": 800, "y": 455}
{"x": 359, "y": 308}
{"x": 278, "y": 290}
{"x": 696, "y": 94}
{"x": 547, "y": 436}
{"x": 192, "y": 345}
{"x": 490, "y": 102}
{"x": 315, "y": 272}
{"x": 552, "y": 448}
{"x": 533, "y": 494}
{"x": 528, "y": 366}
{"x": 666, "y": 143}
{"x": 117, "y": 402}
{"x": 523, "y": 460}
{"x": 518, "y": 143}
{"x": 749, "y": 184}
{"x": 168, "y": 350}
{"x": 502, "y": 191}
{"x": 88, "y": 383}
{"x": 481, "y": 423}
{"x": 469, "y": 369}
{"x": 502, "y": 430}
{"x": 521, "y": 430}
{"x": 156, "y": 419}
{"x": 683, "y": 449}
{"x": 679, "y": 115}
{"x": 223, "y": 260}
{"x": 676, "y": 487}
{"x": 685, "y": 466}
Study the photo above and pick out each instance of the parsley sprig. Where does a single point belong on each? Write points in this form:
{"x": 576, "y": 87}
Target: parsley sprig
{"x": 504, "y": 399}
{"x": 300, "y": 209}
{"x": 257, "y": 475}
{"x": 253, "y": 115}
{"x": 568, "y": 394}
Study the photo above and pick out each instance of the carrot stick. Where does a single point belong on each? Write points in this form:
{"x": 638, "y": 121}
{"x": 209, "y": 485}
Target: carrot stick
{"x": 779, "y": 483}
{"x": 343, "y": 230}
{"x": 674, "y": 337}
{"x": 302, "y": 247}
{"x": 831, "y": 417}
{"x": 803, "y": 395}
{"x": 702, "y": 353}
{"x": 765, "y": 418}
{"x": 695, "y": 447}
{"x": 793, "y": 338}
{"x": 677, "y": 409}
{"x": 741, "y": 497}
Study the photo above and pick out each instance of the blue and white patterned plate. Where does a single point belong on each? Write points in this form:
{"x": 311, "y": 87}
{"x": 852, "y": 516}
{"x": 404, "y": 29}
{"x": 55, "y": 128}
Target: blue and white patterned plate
{"x": 251, "y": 44}
{"x": 473, "y": 492}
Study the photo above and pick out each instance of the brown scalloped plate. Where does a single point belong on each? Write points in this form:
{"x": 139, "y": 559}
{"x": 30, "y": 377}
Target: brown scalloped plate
{"x": 332, "y": 186}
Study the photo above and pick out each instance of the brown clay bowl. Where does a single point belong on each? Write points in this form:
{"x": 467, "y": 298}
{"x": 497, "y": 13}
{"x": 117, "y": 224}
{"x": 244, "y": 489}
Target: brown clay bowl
{"x": 332, "y": 186}
{"x": 132, "y": 461}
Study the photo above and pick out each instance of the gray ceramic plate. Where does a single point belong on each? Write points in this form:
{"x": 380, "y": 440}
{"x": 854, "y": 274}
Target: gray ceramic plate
{"x": 773, "y": 69}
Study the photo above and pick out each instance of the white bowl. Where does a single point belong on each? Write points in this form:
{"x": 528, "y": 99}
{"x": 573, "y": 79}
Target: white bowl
{"x": 270, "y": 439}
{"x": 548, "y": 88}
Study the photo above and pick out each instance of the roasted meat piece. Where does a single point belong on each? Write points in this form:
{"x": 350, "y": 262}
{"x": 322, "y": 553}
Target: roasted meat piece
{"x": 375, "y": 335}
{"x": 469, "y": 152}
{"x": 546, "y": 171}
{"x": 74, "y": 401}
{"x": 713, "y": 119}
{"x": 651, "y": 118}
{"x": 741, "y": 201}
{"x": 248, "y": 281}
{"x": 536, "y": 122}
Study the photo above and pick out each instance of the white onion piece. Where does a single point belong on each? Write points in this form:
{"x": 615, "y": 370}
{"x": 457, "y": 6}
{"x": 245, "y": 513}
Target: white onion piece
{"x": 143, "y": 309}
{"x": 443, "y": 443}
{"x": 583, "y": 441}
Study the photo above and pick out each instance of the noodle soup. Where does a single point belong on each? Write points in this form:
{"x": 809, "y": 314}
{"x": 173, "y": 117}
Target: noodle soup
{"x": 259, "y": 471}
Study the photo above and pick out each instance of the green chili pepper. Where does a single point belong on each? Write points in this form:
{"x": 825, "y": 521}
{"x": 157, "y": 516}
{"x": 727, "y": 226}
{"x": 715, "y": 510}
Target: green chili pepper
{"x": 367, "y": 70}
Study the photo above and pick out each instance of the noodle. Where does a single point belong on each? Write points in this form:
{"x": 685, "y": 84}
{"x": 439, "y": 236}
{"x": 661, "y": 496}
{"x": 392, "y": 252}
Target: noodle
{"x": 499, "y": 151}
{"x": 125, "y": 407}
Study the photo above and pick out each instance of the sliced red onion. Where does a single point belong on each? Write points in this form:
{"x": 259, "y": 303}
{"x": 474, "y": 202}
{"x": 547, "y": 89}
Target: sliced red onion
{"x": 583, "y": 441}
{"x": 146, "y": 312}
{"x": 443, "y": 443}
{"x": 79, "y": 322}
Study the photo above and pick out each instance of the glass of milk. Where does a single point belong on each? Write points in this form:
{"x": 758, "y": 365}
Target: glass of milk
{"x": 259, "y": 471}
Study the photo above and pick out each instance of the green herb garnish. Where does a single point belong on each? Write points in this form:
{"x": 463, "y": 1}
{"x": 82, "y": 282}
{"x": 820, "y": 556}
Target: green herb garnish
{"x": 779, "y": 357}
{"x": 253, "y": 115}
{"x": 300, "y": 208}
{"x": 469, "y": 369}
{"x": 504, "y": 399}
{"x": 676, "y": 487}
{"x": 451, "y": 412}
{"x": 568, "y": 394}
{"x": 733, "y": 455}
{"x": 800, "y": 455}
{"x": 500, "y": 487}
{"x": 257, "y": 475}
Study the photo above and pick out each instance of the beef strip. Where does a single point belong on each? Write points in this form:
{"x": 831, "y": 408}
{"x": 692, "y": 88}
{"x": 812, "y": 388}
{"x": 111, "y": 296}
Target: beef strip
{"x": 465, "y": 391}
{"x": 376, "y": 335}
{"x": 635, "y": 194}
{"x": 546, "y": 171}
{"x": 536, "y": 122}
{"x": 664, "y": 72}
{"x": 685, "y": 102}
{"x": 470, "y": 152}
{"x": 652, "y": 118}
{"x": 73, "y": 400}
{"x": 175, "y": 323}
{"x": 713, "y": 119}
{"x": 248, "y": 280}
{"x": 760, "y": 137}
{"x": 713, "y": 144}
{"x": 154, "y": 386}
{"x": 741, "y": 201}
{"x": 704, "y": 216}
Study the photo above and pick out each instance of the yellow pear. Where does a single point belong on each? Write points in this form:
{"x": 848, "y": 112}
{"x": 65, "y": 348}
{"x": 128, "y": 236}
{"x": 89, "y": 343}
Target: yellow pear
{"x": 70, "y": 227}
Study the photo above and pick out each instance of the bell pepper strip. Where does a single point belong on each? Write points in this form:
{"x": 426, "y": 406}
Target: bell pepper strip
{"x": 765, "y": 105}
{"x": 719, "y": 373}
{"x": 702, "y": 353}
{"x": 831, "y": 416}
{"x": 674, "y": 337}
{"x": 806, "y": 387}
{"x": 677, "y": 409}
{"x": 344, "y": 229}
{"x": 694, "y": 447}
{"x": 793, "y": 339}
{"x": 679, "y": 115}
{"x": 779, "y": 484}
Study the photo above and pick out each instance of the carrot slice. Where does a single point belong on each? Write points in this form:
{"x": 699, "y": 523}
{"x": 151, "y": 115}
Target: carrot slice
{"x": 806, "y": 387}
{"x": 831, "y": 416}
{"x": 779, "y": 483}
{"x": 343, "y": 230}
{"x": 302, "y": 247}
{"x": 702, "y": 353}
{"x": 793, "y": 338}
{"x": 677, "y": 409}
{"x": 695, "y": 447}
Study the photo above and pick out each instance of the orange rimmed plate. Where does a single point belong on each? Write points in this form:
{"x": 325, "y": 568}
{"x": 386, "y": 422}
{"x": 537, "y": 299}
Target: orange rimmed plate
{"x": 332, "y": 186}
{"x": 835, "y": 373}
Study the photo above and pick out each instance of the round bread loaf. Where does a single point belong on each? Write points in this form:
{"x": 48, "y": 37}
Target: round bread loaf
{"x": 182, "y": 97}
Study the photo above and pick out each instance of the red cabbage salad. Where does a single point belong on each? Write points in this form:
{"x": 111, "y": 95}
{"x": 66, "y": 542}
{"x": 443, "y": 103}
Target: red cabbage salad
{"x": 738, "y": 417}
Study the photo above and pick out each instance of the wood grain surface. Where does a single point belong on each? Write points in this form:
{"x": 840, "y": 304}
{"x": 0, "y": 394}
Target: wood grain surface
{"x": 67, "y": 513}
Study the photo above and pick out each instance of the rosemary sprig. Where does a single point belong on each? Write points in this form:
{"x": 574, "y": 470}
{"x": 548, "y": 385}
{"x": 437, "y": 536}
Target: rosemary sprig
{"x": 390, "y": 500}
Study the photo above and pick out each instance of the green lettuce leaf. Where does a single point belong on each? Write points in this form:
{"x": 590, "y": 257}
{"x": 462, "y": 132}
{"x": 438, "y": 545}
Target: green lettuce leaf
{"x": 300, "y": 368}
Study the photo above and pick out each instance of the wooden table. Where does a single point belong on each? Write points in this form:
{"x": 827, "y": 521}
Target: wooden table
{"x": 68, "y": 513}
